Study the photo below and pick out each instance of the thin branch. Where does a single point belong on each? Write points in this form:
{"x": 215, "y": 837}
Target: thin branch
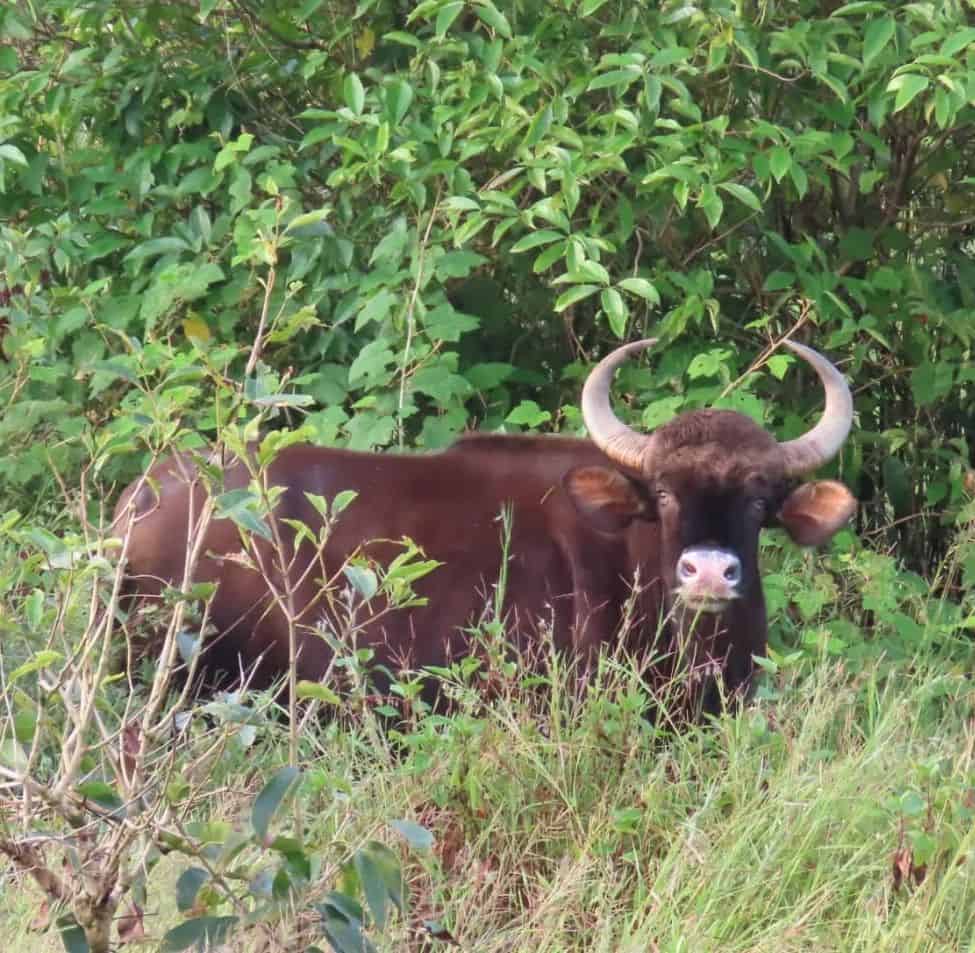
{"x": 768, "y": 72}
{"x": 262, "y": 326}
{"x": 29, "y": 859}
{"x": 411, "y": 312}
{"x": 248, "y": 14}
{"x": 771, "y": 349}
{"x": 718, "y": 238}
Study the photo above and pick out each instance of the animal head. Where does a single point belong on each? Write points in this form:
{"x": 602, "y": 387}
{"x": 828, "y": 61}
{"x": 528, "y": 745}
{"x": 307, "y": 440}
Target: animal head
{"x": 712, "y": 479}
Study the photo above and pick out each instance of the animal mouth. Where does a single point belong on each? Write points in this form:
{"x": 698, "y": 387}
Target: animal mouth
{"x": 703, "y": 602}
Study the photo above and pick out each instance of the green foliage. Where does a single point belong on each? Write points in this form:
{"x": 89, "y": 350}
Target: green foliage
{"x": 279, "y": 878}
{"x": 454, "y": 208}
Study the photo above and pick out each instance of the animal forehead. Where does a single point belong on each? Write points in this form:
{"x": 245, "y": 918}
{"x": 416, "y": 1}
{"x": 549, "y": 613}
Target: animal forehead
{"x": 724, "y": 430}
{"x": 716, "y": 453}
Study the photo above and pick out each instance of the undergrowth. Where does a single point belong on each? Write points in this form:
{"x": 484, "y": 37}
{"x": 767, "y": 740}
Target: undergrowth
{"x": 832, "y": 812}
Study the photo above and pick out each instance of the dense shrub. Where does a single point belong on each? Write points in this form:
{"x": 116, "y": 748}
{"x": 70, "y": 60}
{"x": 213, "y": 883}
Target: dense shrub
{"x": 476, "y": 200}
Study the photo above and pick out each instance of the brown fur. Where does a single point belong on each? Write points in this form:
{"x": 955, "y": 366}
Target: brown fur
{"x": 582, "y": 531}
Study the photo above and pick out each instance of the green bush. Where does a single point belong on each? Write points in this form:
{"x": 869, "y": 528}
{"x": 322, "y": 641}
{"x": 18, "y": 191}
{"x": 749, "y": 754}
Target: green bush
{"x": 461, "y": 205}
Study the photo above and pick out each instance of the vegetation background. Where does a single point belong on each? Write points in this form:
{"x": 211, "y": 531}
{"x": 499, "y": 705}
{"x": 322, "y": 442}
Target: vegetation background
{"x": 375, "y": 225}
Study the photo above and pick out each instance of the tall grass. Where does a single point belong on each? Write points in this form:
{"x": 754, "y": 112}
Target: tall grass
{"x": 835, "y": 810}
{"x": 565, "y": 825}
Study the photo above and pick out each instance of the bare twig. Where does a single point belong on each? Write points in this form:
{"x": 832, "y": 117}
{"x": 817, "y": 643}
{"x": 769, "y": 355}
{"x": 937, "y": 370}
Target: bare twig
{"x": 258, "y": 345}
{"x": 771, "y": 349}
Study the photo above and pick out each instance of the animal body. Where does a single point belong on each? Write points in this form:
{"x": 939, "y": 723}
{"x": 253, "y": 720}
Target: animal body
{"x": 664, "y": 524}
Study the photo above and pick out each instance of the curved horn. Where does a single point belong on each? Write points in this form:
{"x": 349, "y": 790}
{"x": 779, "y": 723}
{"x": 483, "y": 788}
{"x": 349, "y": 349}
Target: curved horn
{"x": 621, "y": 444}
{"x": 823, "y": 442}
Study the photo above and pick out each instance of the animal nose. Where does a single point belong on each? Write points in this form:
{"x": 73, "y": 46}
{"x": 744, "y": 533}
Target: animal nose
{"x": 702, "y": 566}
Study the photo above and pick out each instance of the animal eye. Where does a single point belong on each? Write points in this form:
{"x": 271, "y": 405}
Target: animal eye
{"x": 758, "y": 505}
{"x": 664, "y": 497}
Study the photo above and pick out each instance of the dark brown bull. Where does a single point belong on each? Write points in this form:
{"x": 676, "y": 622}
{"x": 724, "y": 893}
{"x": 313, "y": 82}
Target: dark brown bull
{"x": 678, "y": 510}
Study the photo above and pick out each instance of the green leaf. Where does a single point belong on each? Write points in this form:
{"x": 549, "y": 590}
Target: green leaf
{"x": 878, "y": 34}
{"x": 372, "y": 359}
{"x": 405, "y": 39}
{"x": 317, "y": 691}
{"x": 908, "y": 87}
{"x": 549, "y": 257}
{"x": 10, "y": 153}
{"x": 858, "y": 7}
{"x": 652, "y": 88}
{"x": 539, "y": 126}
{"x": 778, "y": 364}
{"x": 202, "y": 932}
{"x": 418, "y": 837}
{"x": 25, "y": 726}
{"x": 779, "y": 281}
{"x": 375, "y": 309}
{"x": 710, "y": 203}
{"x": 72, "y": 935}
{"x": 188, "y": 886}
{"x": 269, "y": 800}
{"x": 898, "y": 486}
{"x": 354, "y": 93}
{"x": 955, "y": 43}
{"x": 708, "y": 364}
{"x": 528, "y": 414}
{"x": 489, "y": 375}
{"x": 283, "y": 400}
{"x": 381, "y": 879}
{"x": 780, "y": 161}
{"x": 458, "y": 264}
{"x": 157, "y": 246}
{"x": 342, "y": 501}
{"x": 300, "y": 222}
{"x": 744, "y": 195}
{"x": 42, "y": 659}
{"x": 587, "y": 271}
{"x": 101, "y": 793}
{"x": 640, "y": 287}
{"x": 573, "y": 295}
{"x": 363, "y": 580}
{"x": 886, "y": 279}
{"x": 391, "y": 248}
{"x": 396, "y": 100}
{"x": 232, "y": 151}
{"x": 799, "y": 179}
{"x": 930, "y": 382}
{"x": 345, "y": 935}
{"x": 34, "y": 608}
{"x": 616, "y": 310}
{"x": 489, "y": 14}
{"x": 857, "y": 244}
{"x": 239, "y": 507}
{"x": 445, "y": 17}
{"x": 445, "y": 323}
{"x": 658, "y": 412}
{"x": 615, "y": 77}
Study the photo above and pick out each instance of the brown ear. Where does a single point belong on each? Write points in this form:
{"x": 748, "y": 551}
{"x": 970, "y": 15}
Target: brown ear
{"x": 814, "y": 512}
{"x": 604, "y": 497}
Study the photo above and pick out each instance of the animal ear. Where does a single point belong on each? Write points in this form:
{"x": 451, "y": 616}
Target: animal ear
{"x": 605, "y": 498}
{"x": 814, "y": 512}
